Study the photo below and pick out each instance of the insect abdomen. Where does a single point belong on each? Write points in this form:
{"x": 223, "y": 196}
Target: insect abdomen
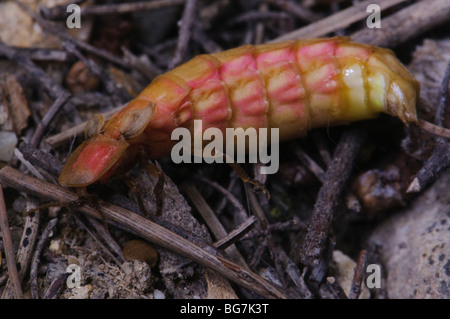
{"x": 293, "y": 86}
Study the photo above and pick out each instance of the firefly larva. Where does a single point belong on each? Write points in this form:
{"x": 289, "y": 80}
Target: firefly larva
{"x": 294, "y": 86}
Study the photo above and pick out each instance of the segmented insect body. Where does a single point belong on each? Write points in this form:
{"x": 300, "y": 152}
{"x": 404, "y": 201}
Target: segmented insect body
{"x": 294, "y": 86}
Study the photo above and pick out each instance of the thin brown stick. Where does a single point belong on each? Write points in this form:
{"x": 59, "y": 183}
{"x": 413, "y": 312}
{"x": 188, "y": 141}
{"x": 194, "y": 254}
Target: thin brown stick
{"x": 406, "y": 24}
{"x": 33, "y": 170}
{"x": 294, "y": 274}
{"x": 264, "y": 15}
{"x": 237, "y": 233}
{"x": 199, "y": 35}
{"x": 259, "y": 213}
{"x": 56, "y": 287}
{"x": 440, "y": 158}
{"x": 9, "y": 249}
{"x": 146, "y": 68}
{"x": 443, "y": 97}
{"x": 208, "y": 215}
{"x": 314, "y": 242}
{"x": 290, "y": 6}
{"x": 211, "y": 9}
{"x": 330, "y": 289}
{"x": 36, "y": 256}
{"x": 223, "y": 202}
{"x": 53, "y": 89}
{"x": 111, "y": 87}
{"x": 41, "y": 159}
{"x": 259, "y": 28}
{"x": 355, "y": 288}
{"x": 309, "y": 163}
{"x": 342, "y": 19}
{"x": 257, "y": 253}
{"x": 321, "y": 145}
{"x": 434, "y": 129}
{"x": 48, "y": 117}
{"x": 53, "y": 29}
{"x": 155, "y": 233}
{"x": 184, "y": 35}
{"x": 99, "y": 241}
{"x": 228, "y": 195}
{"x": 212, "y": 221}
{"x": 27, "y": 243}
{"x": 3, "y": 279}
{"x": 43, "y": 54}
{"x": 78, "y": 130}
{"x": 59, "y": 12}
{"x": 108, "y": 238}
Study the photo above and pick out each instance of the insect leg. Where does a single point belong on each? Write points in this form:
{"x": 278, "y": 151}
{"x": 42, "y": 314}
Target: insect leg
{"x": 82, "y": 199}
{"x": 92, "y": 200}
{"x": 247, "y": 179}
{"x": 157, "y": 190}
{"x": 49, "y": 205}
{"x": 135, "y": 189}
{"x": 156, "y": 171}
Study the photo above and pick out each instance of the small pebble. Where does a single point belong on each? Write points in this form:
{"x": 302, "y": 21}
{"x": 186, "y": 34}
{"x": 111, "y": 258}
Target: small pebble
{"x": 158, "y": 294}
{"x": 8, "y": 141}
{"x": 140, "y": 250}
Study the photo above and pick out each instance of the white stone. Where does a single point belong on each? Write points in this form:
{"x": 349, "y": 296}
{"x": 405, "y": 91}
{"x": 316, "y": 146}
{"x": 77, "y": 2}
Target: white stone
{"x": 8, "y": 141}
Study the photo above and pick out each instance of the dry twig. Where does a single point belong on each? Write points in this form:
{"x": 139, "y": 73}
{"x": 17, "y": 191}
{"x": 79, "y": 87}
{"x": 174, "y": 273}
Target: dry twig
{"x": 273, "y": 251}
{"x": 213, "y": 222}
{"x": 56, "y": 287}
{"x": 53, "y": 29}
{"x": 358, "y": 278}
{"x": 185, "y": 24}
{"x": 339, "y": 20}
{"x": 60, "y": 12}
{"x": 48, "y": 117}
{"x": 9, "y": 249}
{"x": 55, "y": 91}
{"x": 299, "y": 11}
{"x": 406, "y": 24}
{"x": 43, "y": 54}
{"x": 312, "y": 245}
{"x": 330, "y": 289}
{"x": 237, "y": 233}
{"x": 36, "y": 257}
{"x": 309, "y": 163}
{"x": 27, "y": 243}
{"x": 259, "y": 28}
{"x": 240, "y": 210}
{"x": 206, "y": 256}
{"x": 40, "y": 159}
{"x": 60, "y": 138}
{"x": 440, "y": 158}
{"x": 118, "y": 260}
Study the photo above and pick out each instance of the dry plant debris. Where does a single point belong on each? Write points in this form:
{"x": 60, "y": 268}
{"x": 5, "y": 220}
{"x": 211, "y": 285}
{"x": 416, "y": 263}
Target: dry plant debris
{"x": 215, "y": 238}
